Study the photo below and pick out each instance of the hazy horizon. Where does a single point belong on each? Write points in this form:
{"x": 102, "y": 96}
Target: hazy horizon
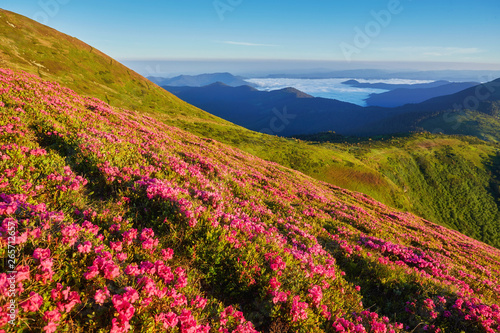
{"x": 256, "y": 68}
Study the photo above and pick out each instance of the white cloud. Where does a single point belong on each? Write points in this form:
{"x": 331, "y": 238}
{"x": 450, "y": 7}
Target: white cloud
{"x": 245, "y": 43}
{"x": 326, "y": 88}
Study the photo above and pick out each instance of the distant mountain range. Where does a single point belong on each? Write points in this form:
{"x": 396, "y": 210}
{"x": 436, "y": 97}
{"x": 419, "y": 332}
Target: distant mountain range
{"x": 200, "y": 80}
{"x": 473, "y": 111}
{"x": 402, "y": 96}
{"x": 304, "y": 114}
{"x": 261, "y": 110}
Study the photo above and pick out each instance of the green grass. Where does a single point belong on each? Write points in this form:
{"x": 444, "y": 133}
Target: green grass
{"x": 124, "y": 224}
{"x": 418, "y": 174}
{"x": 74, "y": 64}
{"x": 452, "y": 180}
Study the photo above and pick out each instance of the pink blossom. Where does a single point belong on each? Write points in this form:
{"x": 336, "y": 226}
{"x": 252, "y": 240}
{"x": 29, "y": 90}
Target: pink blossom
{"x": 33, "y": 303}
{"x": 115, "y": 227}
{"x": 168, "y": 320}
{"x": 199, "y": 302}
{"x": 298, "y": 311}
{"x": 132, "y": 269}
{"x": 50, "y": 327}
{"x": 84, "y": 247}
{"x": 41, "y": 254}
{"x": 280, "y": 296}
{"x": 101, "y": 296}
{"x": 116, "y": 246}
{"x": 274, "y": 283}
{"x": 147, "y": 233}
{"x": 119, "y": 326}
{"x": 130, "y": 295}
{"x": 150, "y": 244}
{"x": 92, "y": 272}
{"x": 23, "y": 273}
{"x": 111, "y": 270}
{"x": 167, "y": 254}
{"x": 53, "y": 315}
{"x": 129, "y": 236}
{"x": 316, "y": 294}
{"x": 125, "y": 309}
{"x": 188, "y": 322}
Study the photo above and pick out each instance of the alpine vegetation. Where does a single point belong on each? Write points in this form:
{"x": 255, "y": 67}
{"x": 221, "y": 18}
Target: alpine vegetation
{"x": 112, "y": 221}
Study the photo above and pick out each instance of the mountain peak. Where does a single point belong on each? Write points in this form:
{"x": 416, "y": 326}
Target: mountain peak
{"x": 296, "y": 92}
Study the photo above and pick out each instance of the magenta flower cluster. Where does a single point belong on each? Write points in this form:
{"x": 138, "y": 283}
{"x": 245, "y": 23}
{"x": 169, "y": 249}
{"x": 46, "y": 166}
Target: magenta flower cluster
{"x": 125, "y": 224}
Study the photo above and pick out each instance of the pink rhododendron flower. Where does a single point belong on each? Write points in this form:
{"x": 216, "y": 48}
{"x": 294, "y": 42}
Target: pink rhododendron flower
{"x": 53, "y": 315}
{"x": 101, "y": 296}
{"x": 92, "y": 272}
{"x": 167, "y": 254}
{"x": 50, "y": 327}
{"x": 199, "y": 302}
{"x": 147, "y": 233}
{"x": 131, "y": 295}
{"x": 119, "y": 326}
{"x": 41, "y": 254}
{"x": 111, "y": 271}
{"x": 85, "y": 247}
{"x": 168, "y": 320}
{"x": 125, "y": 309}
{"x": 132, "y": 269}
{"x": 33, "y": 303}
{"x": 274, "y": 283}
{"x": 129, "y": 236}
{"x": 316, "y": 294}
{"x": 23, "y": 273}
{"x": 116, "y": 246}
{"x": 298, "y": 311}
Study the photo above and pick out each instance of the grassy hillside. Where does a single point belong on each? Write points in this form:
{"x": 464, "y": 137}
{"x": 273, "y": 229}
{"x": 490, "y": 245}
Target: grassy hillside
{"x": 451, "y": 180}
{"x": 113, "y": 221}
{"x": 30, "y": 46}
{"x": 35, "y": 48}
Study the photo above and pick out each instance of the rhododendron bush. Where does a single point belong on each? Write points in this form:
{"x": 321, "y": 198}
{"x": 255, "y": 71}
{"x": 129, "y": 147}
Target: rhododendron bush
{"x": 120, "y": 223}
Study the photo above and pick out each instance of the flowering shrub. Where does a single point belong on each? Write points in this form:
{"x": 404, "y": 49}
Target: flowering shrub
{"x": 121, "y": 223}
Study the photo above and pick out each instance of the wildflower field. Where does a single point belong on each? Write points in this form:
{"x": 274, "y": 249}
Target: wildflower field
{"x": 112, "y": 221}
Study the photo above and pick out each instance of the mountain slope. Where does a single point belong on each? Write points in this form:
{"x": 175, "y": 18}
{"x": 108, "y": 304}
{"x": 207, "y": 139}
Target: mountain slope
{"x": 403, "y": 96}
{"x": 125, "y": 224}
{"x": 255, "y": 109}
{"x": 259, "y": 110}
{"x": 90, "y": 72}
{"x": 30, "y": 46}
{"x": 473, "y": 111}
{"x": 337, "y": 164}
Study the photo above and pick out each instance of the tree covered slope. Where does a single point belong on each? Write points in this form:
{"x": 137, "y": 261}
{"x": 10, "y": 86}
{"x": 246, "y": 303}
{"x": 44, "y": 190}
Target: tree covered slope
{"x": 122, "y": 223}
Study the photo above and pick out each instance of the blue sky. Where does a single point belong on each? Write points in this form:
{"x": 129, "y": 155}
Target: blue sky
{"x": 333, "y": 30}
